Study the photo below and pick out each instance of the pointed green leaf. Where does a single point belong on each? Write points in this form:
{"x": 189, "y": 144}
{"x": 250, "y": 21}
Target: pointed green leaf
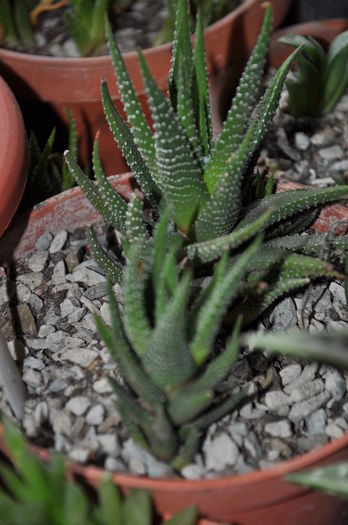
{"x": 167, "y": 358}
{"x": 242, "y": 107}
{"x": 209, "y": 250}
{"x": 111, "y": 267}
{"x": 180, "y": 177}
{"x": 140, "y": 129}
{"x": 95, "y": 197}
{"x": 211, "y": 315}
{"x": 124, "y": 138}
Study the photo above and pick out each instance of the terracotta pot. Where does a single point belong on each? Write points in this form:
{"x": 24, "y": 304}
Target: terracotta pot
{"x": 261, "y": 497}
{"x": 324, "y": 31}
{"x": 46, "y": 86}
{"x": 13, "y": 155}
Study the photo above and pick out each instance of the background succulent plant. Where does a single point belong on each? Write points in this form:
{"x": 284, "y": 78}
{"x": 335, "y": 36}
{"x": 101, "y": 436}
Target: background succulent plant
{"x": 85, "y": 20}
{"x": 322, "y": 78}
{"x": 42, "y": 495}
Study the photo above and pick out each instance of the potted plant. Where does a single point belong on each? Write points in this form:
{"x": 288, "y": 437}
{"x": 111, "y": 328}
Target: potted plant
{"x": 196, "y": 226}
{"x": 50, "y": 85}
{"x": 13, "y": 155}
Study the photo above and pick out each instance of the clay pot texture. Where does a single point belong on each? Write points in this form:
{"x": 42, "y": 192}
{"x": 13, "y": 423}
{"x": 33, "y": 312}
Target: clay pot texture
{"x": 13, "y": 155}
{"x": 325, "y": 31}
{"x": 257, "y": 498}
{"x": 46, "y": 86}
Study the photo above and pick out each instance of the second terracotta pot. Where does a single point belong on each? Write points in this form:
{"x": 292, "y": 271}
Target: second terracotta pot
{"x": 258, "y": 498}
{"x": 46, "y": 86}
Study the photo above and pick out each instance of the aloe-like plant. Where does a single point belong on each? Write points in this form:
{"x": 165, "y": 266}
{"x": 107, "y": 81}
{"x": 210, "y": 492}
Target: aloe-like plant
{"x": 322, "y": 78}
{"x": 202, "y": 214}
{"x": 41, "y": 493}
{"x": 215, "y": 201}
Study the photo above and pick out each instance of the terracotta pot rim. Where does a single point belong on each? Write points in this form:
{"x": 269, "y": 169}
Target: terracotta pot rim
{"x": 300, "y": 462}
{"x": 104, "y": 59}
{"x": 13, "y": 155}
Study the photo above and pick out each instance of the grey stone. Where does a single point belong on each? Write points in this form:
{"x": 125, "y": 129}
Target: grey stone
{"x": 74, "y": 258}
{"x": 114, "y": 465}
{"x": 77, "y": 315}
{"x": 316, "y": 422}
{"x": 335, "y": 384}
{"x": 44, "y": 242}
{"x": 79, "y": 454}
{"x": 38, "y": 260}
{"x": 302, "y": 141}
{"x": 334, "y": 431}
{"x": 307, "y": 390}
{"x": 58, "y": 242}
{"x": 305, "y": 408}
{"x": 30, "y": 426}
{"x": 249, "y": 412}
{"x": 95, "y": 415}
{"x": 58, "y": 385}
{"x": 23, "y": 293}
{"x": 31, "y": 280}
{"x": 26, "y": 319}
{"x": 323, "y": 137}
{"x": 96, "y": 292}
{"x": 252, "y": 445}
{"x": 281, "y": 429}
{"x": 32, "y": 378}
{"x": 222, "y": 452}
{"x": 62, "y": 423}
{"x": 109, "y": 444}
{"x": 193, "y": 471}
{"x": 337, "y": 291}
{"x": 59, "y": 273}
{"x": 290, "y": 373}
{"x": 276, "y": 400}
{"x": 341, "y": 165}
{"x": 34, "y": 363}
{"x": 78, "y": 405}
{"x": 102, "y": 386}
{"x": 308, "y": 443}
{"x": 35, "y": 302}
{"x": 306, "y": 375}
{"x": 68, "y": 306}
{"x": 61, "y": 444}
{"x": 283, "y": 315}
{"x": 105, "y": 313}
{"x": 331, "y": 153}
{"x": 85, "y": 276}
{"x": 82, "y": 357}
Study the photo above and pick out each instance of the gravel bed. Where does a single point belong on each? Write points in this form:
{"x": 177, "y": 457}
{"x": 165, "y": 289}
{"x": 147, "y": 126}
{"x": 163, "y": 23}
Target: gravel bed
{"x": 309, "y": 151}
{"x": 46, "y": 314}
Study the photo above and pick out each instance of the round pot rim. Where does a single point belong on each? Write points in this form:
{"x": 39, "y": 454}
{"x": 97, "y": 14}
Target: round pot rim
{"x": 130, "y": 55}
{"x": 300, "y": 462}
{"x": 14, "y": 156}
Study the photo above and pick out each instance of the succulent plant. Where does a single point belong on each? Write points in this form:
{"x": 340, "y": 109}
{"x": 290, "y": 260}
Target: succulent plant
{"x": 42, "y": 494}
{"x": 214, "y": 199}
{"x": 85, "y": 20}
{"x": 205, "y": 241}
{"x": 47, "y": 172}
{"x": 322, "y": 78}
{"x": 332, "y": 479}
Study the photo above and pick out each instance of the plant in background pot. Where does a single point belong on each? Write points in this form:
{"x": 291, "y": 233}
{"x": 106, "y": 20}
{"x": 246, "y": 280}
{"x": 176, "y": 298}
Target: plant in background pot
{"x": 49, "y": 85}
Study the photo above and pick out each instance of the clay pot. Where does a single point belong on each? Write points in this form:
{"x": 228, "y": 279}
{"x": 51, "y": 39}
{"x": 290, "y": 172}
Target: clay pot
{"x": 257, "y": 498}
{"x": 325, "y": 31}
{"x": 46, "y": 86}
{"x": 13, "y": 155}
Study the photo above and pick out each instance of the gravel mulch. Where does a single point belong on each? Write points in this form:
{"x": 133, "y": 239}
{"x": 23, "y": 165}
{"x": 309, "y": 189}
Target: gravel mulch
{"x": 46, "y": 314}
